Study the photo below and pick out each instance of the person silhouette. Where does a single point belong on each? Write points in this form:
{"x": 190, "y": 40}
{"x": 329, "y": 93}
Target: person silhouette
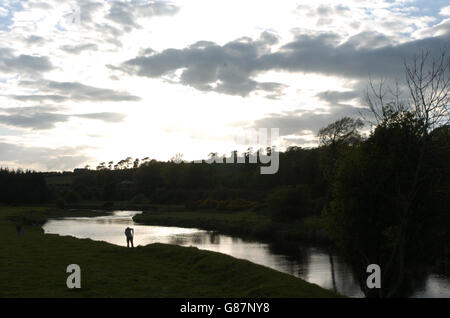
{"x": 129, "y": 233}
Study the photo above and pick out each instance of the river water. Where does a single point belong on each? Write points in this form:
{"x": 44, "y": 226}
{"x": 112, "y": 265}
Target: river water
{"x": 312, "y": 263}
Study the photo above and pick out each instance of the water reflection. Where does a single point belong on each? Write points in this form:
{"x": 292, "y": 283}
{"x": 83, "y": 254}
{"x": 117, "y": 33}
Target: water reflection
{"x": 312, "y": 263}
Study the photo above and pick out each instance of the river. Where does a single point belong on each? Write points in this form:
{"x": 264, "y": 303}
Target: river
{"x": 312, "y": 263}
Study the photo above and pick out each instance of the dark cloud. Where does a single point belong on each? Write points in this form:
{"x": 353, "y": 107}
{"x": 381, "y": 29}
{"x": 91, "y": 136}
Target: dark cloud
{"x": 87, "y": 9}
{"x": 39, "y": 97}
{"x": 233, "y": 67}
{"x": 39, "y": 5}
{"x": 46, "y": 117}
{"x": 37, "y": 121}
{"x": 296, "y": 121}
{"x": 127, "y": 13}
{"x": 10, "y": 63}
{"x": 208, "y": 66}
{"x": 122, "y": 13}
{"x": 108, "y": 34}
{"x": 50, "y": 158}
{"x": 59, "y": 91}
{"x": 34, "y": 39}
{"x": 106, "y": 116}
{"x": 35, "y": 117}
{"x": 353, "y": 58}
{"x": 77, "y": 49}
{"x": 336, "y": 97}
{"x": 324, "y": 13}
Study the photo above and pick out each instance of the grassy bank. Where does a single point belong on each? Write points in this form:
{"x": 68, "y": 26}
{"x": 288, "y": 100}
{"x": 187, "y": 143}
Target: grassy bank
{"x": 34, "y": 265}
{"x": 242, "y": 223}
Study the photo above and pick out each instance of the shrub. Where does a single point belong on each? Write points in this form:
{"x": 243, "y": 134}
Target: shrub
{"x": 72, "y": 197}
{"x": 139, "y": 199}
{"x": 290, "y": 203}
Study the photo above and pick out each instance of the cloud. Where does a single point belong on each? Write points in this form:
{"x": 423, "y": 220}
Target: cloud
{"x": 322, "y": 10}
{"x": 42, "y": 158}
{"x": 232, "y": 68}
{"x": 126, "y": 14}
{"x": 440, "y": 29}
{"x": 325, "y": 54}
{"x": 10, "y": 63}
{"x": 39, "y": 5}
{"x": 39, "y": 97}
{"x": 77, "y": 49}
{"x": 36, "y": 121}
{"x": 336, "y": 97}
{"x": 445, "y": 11}
{"x": 46, "y": 117}
{"x": 298, "y": 141}
{"x": 60, "y": 91}
{"x": 87, "y": 9}
{"x": 105, "y": 116}
{"x": 297, "y": 121}
{"x": 207, "y": 66}
{"x": 34, "y": 39}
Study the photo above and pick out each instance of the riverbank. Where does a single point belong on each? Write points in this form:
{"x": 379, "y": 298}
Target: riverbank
{"x": 34, "y": 265}
{"x": 242, "y": 223}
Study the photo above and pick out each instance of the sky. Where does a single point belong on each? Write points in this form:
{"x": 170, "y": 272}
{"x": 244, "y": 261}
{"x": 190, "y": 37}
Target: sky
{"x": 90, "y": 81}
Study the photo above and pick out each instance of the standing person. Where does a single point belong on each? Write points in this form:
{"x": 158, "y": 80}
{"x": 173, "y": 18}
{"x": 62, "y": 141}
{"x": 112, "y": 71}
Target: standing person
{"x": 19, "y": 229}
{"x": 129, "y": 233}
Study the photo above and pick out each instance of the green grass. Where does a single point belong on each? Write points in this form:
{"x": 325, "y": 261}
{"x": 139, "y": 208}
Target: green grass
{"x": 243, "y": 223}
{"x": 34, "y": 265}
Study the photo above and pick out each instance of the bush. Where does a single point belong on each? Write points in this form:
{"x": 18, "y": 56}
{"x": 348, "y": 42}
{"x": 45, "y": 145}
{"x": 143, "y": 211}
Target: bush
{"x": 290, "y": 203}
{"x": 225, "y": 205}
{"x": 108, "y": 205}
{"x": 60, "y": 203}
{"x": 139, "y": 199}
{"x": 72, "y": 197}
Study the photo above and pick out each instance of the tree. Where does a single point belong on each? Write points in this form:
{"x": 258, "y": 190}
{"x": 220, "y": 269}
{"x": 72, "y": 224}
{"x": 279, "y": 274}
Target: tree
{"x": 342, "y": 131}
{"x": 290, "y": 203}
{"x": 178, "y": 158}
{"x": 381, "y": 188}
{"x": 128, "y": 162}
{"x": 334, "y": 139}
{"x": 136, "y": 163}
{"x": 101, "y": 166}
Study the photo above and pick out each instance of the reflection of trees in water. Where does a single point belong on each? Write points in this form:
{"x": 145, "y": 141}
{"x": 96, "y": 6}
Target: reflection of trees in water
{"x": 345, "y": 277}
{"x": 291, "y": 251}
{"x": 416, "y": 280}
{"x": 112, "y": 221}
{"x": 299, "y": 260}
{"x": 235, "y": 239}
{"x": 178, "y": 240}
{"x": 214, "y": 238}
{"x": 199, "y": 238}
{"x": 333, "y": 276}
{"x": 348, "y": 279}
